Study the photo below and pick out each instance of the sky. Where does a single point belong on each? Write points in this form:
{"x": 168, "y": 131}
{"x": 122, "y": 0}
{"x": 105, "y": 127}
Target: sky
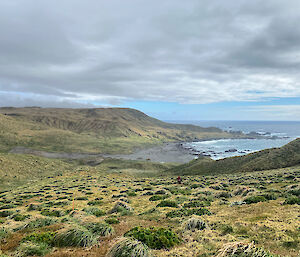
{"x": 172, "y": 59}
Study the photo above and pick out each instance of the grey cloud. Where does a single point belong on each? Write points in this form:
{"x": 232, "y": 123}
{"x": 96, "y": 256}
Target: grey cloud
{"x": 274, "y": 47}
{"x": 31, "y": 36}
{"x": 183, "y": 51}
{"x": 21, "y": 100}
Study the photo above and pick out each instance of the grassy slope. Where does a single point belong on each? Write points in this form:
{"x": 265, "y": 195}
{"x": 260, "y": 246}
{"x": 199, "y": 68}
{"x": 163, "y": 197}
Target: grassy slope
{"x": 269, "y": 224}
{"x": 17, "y": 169}
{"x": 275, "y": 158}
{"x": 108, "y": 130}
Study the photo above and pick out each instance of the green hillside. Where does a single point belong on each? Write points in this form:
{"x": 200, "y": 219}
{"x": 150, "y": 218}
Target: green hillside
{"x": 275, "y": 158}
{"x": 103, "y": 130}
{"x": 16, "y": 169}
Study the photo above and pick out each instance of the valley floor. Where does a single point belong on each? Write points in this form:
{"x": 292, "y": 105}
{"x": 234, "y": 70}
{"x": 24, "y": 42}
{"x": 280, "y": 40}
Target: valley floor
{"x": 167, "y": 152}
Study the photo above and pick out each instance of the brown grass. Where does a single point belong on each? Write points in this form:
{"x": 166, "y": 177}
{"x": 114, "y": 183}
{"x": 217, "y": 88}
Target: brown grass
{"x": 12, "y": 242}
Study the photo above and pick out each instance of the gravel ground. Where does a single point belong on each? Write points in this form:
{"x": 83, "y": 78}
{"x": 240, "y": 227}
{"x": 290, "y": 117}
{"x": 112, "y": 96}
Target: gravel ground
{"x": 168, "y": 152}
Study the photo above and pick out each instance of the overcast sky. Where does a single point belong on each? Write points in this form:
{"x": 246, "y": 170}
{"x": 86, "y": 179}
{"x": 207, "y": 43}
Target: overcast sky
{"x": 174, "y": 59}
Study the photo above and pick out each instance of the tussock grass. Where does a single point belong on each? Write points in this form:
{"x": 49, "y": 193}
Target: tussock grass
{"x": 94, "y": 211}
{"x": 100, "y": 229}
{"x": 77, "y": 236}
{"x": 239, "y": 249}
{"x": 4, "y": 232}
{"x": 194, "y": 223}
{"x": 32, "y": 249}
{"x": 128, "y": 247}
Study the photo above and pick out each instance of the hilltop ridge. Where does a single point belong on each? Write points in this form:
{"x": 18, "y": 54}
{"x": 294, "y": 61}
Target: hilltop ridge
{"x": 121, "y": 121}
{"x": 101, "y": 130}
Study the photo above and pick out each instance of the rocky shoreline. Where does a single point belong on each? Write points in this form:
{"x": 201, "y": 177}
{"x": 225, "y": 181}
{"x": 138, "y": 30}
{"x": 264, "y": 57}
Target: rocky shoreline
{"x": 232, "y": 150}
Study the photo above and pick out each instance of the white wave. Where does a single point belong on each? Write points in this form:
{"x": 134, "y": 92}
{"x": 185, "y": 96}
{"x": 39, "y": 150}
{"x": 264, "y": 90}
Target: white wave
{"x": 209, "y": 142}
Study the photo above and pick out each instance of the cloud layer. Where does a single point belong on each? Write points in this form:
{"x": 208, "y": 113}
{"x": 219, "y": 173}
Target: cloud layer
{"x": 73, "y": 51}
{"x": 275, "y": 112}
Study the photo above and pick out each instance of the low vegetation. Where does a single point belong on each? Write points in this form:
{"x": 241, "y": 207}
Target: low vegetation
{"x": 107, "y": 210}
{"x": 155, "y": 238}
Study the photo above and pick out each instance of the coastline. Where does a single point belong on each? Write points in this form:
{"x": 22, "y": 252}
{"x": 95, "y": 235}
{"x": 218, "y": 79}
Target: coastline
{"x": 169, "y": 152}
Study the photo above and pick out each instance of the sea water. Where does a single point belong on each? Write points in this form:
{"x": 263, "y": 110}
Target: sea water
{"x": 284, "y": 132}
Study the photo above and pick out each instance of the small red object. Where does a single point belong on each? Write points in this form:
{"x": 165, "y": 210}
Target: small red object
{"x": 179, "y": 180}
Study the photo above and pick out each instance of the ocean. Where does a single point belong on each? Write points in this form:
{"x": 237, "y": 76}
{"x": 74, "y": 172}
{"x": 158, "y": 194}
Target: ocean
{"x": 285, "y": 131}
